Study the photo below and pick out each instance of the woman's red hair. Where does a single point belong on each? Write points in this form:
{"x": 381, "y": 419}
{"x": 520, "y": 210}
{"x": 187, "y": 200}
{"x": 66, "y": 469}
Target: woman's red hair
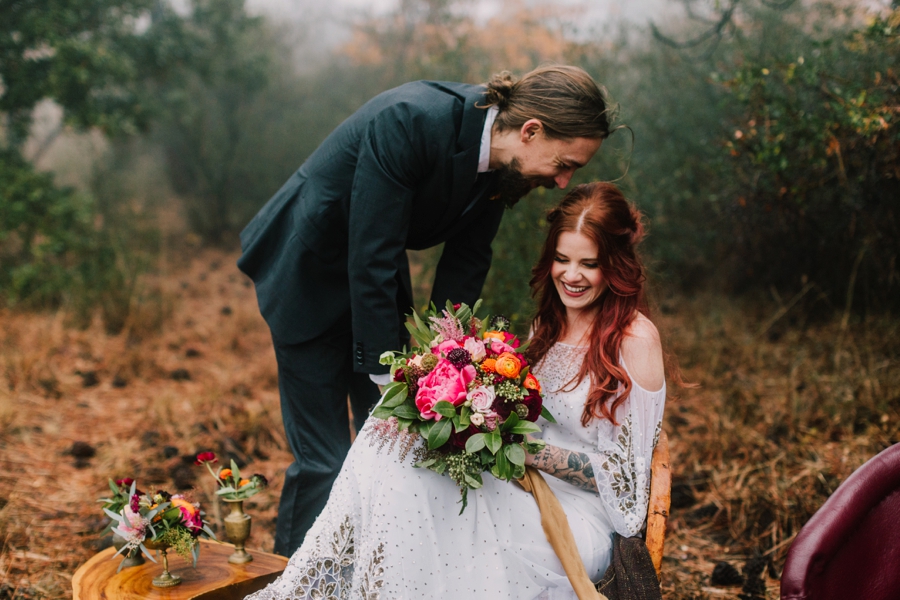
{"x": 600, "y": 212}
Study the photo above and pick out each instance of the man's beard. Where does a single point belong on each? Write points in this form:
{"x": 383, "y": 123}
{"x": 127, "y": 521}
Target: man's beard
{"x": 511, "y": 185}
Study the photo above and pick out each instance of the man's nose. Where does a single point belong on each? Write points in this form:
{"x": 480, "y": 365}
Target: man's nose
{"x": 562, "y": 180}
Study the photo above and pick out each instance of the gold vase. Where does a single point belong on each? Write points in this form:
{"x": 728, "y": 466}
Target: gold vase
{"x": 133, "y": 558}
{"x": 237, "y": 528}
{"x": 165, "y": 579}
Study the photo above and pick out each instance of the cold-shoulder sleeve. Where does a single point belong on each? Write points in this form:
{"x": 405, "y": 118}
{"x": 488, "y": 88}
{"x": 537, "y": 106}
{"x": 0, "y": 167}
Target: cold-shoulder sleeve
{"x": 622, "y": 463}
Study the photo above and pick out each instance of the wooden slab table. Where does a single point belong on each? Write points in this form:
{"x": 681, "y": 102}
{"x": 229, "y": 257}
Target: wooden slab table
{"x": 213, "y": 579}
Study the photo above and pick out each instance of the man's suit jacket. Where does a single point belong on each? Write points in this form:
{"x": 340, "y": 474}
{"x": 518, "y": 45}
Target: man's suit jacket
{"x": 399, "y": 173}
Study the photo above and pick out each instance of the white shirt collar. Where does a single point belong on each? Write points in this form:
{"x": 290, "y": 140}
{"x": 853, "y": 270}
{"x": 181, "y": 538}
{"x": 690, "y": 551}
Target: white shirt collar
{"x": 484, "y": 154}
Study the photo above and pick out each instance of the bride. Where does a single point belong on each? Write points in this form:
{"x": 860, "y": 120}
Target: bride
{"x": 391, "y": 531}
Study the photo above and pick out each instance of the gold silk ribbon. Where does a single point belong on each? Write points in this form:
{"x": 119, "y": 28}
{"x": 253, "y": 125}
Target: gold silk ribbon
{"x": 559, "y": 534}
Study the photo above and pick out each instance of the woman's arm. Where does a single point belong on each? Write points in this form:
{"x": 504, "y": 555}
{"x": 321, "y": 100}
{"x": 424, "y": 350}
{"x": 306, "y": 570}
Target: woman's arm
{"x": 572, "y": 467}
{"x": 643, "y": 355}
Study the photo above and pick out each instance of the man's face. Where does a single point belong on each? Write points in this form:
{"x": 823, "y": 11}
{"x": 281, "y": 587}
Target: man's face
{"x": 539, "y": 160}
{"x": 550, "y": 162}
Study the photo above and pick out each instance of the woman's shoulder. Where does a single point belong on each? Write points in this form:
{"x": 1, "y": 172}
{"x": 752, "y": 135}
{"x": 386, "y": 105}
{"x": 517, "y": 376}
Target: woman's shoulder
{"x": 642, "y": 353}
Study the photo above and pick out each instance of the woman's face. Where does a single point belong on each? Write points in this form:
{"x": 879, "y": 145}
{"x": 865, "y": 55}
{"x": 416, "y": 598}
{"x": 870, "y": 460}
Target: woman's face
{"x": 576, "y": 272}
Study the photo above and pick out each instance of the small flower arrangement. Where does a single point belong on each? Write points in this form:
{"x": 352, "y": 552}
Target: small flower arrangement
{"x": 231, "y": 485}
{"x": 468, "y": 391}
{"x": 159, "y": 518}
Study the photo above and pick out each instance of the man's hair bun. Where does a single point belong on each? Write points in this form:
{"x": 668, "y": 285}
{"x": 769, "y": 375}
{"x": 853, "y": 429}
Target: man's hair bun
{"x": 499, "y": 89}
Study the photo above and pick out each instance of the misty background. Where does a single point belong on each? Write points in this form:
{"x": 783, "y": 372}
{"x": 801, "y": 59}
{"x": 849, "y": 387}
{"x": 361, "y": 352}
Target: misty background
{"x": 761, "y": 139}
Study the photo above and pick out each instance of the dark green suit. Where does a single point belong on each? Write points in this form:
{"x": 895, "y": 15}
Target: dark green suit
{"x": 328, "y": 256}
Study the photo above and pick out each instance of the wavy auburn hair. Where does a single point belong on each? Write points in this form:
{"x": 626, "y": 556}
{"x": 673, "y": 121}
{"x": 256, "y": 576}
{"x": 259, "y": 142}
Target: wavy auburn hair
{"x": 600, "y": 212}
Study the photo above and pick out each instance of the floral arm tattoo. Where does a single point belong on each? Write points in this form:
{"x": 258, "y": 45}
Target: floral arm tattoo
{"x": 571, "y": 467}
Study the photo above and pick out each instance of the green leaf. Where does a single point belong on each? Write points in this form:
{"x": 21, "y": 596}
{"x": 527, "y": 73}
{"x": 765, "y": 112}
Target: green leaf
{"x": 518, "y": 471}
{"x": 511, "y": 421}
{"x": 464, "y": 417}
{"x": 439, "y": 434}
{"x": 524, "y": 427}
{"x": 444, "y": 408}
{"x": 395, "y": 394}
{"x": 476, "y": 307}
{"x": 425, "y": 427}
{"x": 493, "y": 441}
{"x": 474, "y": 481}
{"x": 535, "y": 446}
{"x": 235, "y": 471}
{"x": 546, "y": 414}
{"x": 382, "y": 412}
{"x": 475, "y": 443}
{"x": 424, "y": 464}
{"x": 503, "y": 468}
{"x": 403, "y": 424}
{"x": 422, "y": 339}
{"x": 405, "y": 411}
{"x": 515, "y": 454}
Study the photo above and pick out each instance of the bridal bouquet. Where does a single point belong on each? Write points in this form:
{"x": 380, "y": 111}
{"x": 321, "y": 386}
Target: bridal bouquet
{"x": 157, "y": 520}
{"x": 467, "y": 390}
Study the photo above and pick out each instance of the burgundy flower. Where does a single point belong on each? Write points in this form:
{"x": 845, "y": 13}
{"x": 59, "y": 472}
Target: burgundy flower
{"x": 459, "y": 357}
{"x": 206, "y": 457}
{"x": 459, "y": 439}
{"x": 135, "y": 503}
{"x": 502, "y": 407}
{"x": 124, "y": 482}
{"x": 399, "y": 375}
{"x": 534, "y": 402}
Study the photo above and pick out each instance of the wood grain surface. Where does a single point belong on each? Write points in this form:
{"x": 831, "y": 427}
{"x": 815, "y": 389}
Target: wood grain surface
{"x": 660, "y": 500}
{"x": 97, "y": 578}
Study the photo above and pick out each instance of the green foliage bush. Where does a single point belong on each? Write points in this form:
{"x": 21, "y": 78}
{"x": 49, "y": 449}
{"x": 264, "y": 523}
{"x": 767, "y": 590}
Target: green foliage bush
{"x": 815, "y": 157}
{"x": 54, "y": 250}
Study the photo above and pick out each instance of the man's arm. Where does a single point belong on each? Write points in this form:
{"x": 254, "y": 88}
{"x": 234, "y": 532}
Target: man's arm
{"x": 390, "y": 162}
{"x": 466, "y": 259}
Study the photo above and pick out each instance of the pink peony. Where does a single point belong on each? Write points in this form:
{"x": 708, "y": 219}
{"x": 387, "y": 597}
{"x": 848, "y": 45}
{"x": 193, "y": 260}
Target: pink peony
{"x": 445, "y": 382}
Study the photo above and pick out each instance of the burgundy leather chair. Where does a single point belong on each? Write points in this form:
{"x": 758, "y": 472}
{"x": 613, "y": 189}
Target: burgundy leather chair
{"x": 851, "y": 547}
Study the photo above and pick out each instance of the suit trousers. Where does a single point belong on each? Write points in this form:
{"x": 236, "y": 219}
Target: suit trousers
{"x": 314, "y": 379}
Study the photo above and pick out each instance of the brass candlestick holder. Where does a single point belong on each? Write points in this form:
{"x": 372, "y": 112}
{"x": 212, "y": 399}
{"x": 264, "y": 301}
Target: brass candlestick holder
{"x": 165, "y": 579}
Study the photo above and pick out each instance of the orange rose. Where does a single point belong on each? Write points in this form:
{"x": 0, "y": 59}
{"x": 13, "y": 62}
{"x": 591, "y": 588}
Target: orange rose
{"x": 508, "y": 365}
{"x": 185, "y": 506}
{"x": 243, "y": 482}
{"x": 532, "y": 383}
{"x": 224, "y": 473}
{"x": 489, "y": 365}
{"x": 494, "y": 335}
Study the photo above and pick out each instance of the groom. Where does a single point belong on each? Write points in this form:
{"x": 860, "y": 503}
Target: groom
{"x": 419, "y": 165}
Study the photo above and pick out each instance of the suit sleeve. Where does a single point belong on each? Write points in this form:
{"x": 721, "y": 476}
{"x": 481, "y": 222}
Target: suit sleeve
{"x": 466, "y": 259}
{"x": 389, "y": 166}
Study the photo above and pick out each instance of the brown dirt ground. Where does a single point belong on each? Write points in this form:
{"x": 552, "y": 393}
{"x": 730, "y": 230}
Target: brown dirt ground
{"x": 784, "y": 414}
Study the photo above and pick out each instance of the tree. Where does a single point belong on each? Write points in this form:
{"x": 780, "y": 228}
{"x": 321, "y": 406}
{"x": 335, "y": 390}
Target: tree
{"x": 210, "y": 104}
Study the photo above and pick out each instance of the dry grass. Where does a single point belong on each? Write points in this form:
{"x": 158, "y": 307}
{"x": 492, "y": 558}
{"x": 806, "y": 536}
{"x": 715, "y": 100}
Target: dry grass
{"x": 780, "y": 420}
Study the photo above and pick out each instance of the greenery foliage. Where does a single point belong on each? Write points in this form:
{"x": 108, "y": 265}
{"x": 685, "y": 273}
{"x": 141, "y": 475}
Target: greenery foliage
{"x": 816, "y": 161}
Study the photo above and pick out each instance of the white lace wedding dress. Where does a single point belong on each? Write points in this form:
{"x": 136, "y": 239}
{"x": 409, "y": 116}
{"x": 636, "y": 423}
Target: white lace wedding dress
{"x": 392, "y": 532}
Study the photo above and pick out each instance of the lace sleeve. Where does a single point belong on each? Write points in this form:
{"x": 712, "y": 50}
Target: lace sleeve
{"x": 622, "y": 465}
